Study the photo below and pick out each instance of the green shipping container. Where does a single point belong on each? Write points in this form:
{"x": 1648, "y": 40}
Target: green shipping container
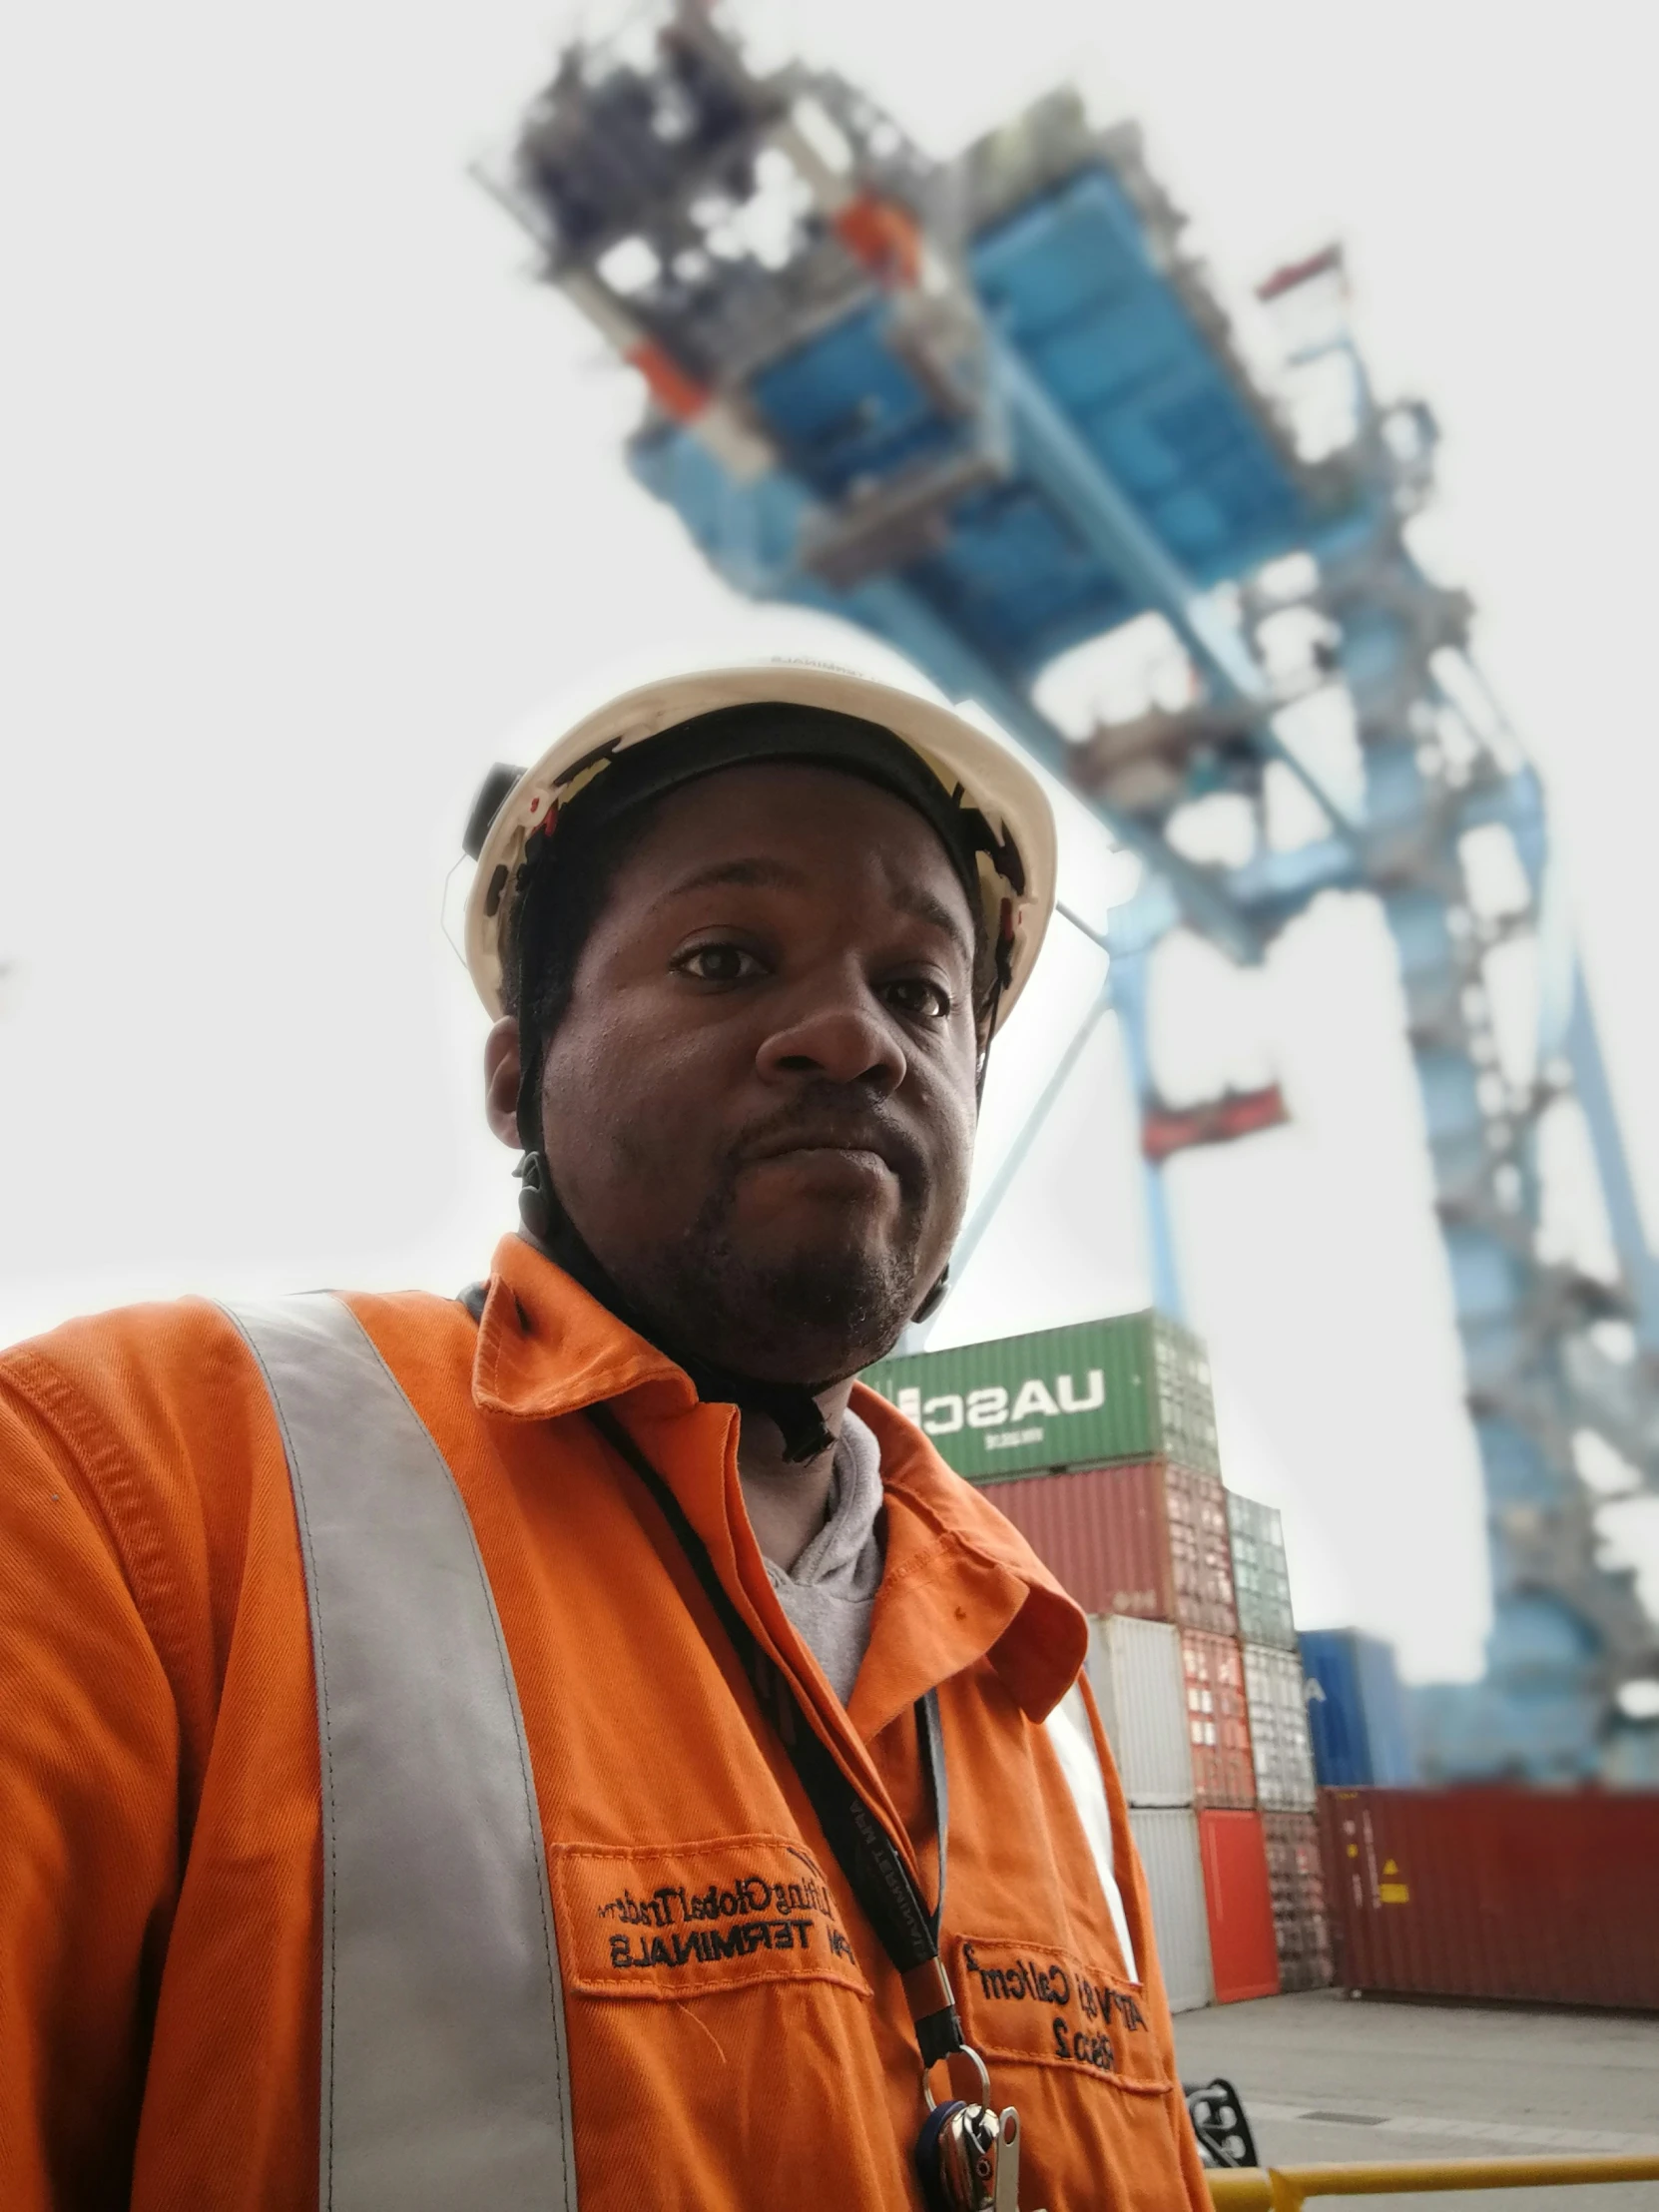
{"x": 1134, "y": 1388}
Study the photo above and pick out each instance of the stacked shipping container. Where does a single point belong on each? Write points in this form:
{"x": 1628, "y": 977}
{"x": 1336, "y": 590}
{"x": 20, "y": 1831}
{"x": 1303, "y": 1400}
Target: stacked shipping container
{"x": 1261, "y": 1573}
{"x": 1099, "y": 1443}
{"x": 1136, "y": 1673}
{"x": 1097, "y": 1395}
{"x": 1149, "y": 1538}
{"x": 1300, "y": 1920}
{"x": 1280, "y": 1744}
{"x": 1355, "y": 1711}
{"x": 1165, "y": 1839}
{"x": 1239, "y": 1899}
{"x": 1218, "y": 1723}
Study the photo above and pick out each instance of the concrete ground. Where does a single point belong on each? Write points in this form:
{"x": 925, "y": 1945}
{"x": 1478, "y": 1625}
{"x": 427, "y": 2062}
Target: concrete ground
{"x": 1325, "y": 2077}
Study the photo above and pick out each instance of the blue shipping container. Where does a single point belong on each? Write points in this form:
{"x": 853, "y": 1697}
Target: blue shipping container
{"x": 1355, "y": 1711}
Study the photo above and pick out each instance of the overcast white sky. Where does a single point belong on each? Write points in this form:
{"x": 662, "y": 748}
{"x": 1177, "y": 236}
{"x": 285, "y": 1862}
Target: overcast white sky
{"x": 311, "y": 496}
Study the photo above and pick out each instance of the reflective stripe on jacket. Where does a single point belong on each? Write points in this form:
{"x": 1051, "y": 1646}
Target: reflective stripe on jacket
{"x": 732, "y": 2032}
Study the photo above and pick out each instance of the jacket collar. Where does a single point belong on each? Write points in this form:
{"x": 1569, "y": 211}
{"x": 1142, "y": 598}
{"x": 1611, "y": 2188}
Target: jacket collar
{"x": 958, "y": 1536}
{"x": 546, "y": 1347}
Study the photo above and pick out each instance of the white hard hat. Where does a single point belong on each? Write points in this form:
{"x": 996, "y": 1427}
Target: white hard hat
{"x": 1004, "y": 811}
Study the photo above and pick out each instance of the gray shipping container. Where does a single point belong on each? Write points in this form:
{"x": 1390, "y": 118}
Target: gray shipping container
{"x": 1283, "y": 1750}
{"x": 1261, "y": 1575}
{"x": 1166, "y": 1837}
{"x": 1136, "y": 1674}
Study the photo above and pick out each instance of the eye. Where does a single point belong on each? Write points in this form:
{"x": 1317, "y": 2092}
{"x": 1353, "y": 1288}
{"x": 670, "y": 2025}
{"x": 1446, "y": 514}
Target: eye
{"x": 919, "y": 997}
{"x": 719, "y": 964}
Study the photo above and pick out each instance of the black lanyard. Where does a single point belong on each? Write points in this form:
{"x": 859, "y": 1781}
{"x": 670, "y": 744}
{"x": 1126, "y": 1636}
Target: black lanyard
{"x": 883, "y": 1885}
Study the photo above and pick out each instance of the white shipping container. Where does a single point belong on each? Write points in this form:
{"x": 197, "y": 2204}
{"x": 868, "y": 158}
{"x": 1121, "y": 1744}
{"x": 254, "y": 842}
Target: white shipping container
{"x": 1165, "y": 1839}
{"x": 1279, "y": 1739}
{"x": 1136, "y": 1675}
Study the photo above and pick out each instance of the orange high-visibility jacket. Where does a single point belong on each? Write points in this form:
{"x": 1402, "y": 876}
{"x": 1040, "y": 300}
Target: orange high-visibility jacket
{"x": 159, "y": 1813}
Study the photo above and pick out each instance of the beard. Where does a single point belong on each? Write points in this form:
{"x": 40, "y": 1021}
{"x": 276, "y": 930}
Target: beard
{"x": 812, "y": 1316}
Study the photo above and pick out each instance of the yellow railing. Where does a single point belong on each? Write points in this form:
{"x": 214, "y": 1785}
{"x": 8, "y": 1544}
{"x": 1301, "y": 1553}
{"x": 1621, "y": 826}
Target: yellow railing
{"x": 1285, "y": 2188}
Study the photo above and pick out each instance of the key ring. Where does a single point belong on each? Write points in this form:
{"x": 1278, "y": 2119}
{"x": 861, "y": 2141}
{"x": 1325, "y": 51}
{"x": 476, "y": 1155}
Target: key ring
{"x": 964, "y": 2050}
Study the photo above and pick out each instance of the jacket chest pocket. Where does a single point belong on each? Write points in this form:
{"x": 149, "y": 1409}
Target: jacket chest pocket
{"x": 688, "y": 1920}
{"x": 1040, "y": 2005}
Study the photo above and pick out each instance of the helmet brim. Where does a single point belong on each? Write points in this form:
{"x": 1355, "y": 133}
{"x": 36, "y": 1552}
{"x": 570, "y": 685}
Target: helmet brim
{"x": 988, "y": 774}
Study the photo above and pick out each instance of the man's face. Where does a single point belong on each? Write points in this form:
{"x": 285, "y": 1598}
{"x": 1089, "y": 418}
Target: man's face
{"x": 759, "y": 1108}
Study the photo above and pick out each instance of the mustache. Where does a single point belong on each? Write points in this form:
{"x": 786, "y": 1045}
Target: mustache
{"x": 835, "y": 1119}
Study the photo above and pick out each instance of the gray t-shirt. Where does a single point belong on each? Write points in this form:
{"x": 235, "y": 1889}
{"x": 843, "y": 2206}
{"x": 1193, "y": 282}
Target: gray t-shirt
{"x": 829, "y": 1593}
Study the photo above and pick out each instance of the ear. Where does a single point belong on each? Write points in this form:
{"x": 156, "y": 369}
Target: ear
{"x": 501, "y": 1075}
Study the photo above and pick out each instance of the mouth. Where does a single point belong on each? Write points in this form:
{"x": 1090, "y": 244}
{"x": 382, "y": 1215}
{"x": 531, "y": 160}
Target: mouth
{"x": 853, "y": 1159}
{"x": 842, "y": 1151}
{"x": 864, "y": 1147}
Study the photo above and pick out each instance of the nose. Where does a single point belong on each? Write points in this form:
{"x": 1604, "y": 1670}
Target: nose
{"x": 843, "y": 1038}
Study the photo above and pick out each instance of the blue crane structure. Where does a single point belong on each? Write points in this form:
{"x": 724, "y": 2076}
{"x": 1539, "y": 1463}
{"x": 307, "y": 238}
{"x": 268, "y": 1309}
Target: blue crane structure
{"x": 991, "y": 410}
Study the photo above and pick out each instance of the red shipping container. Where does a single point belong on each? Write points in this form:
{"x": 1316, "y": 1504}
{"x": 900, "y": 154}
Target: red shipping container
{"x": 1546, "y": 1897}
{"x": 1146, "y": 1538}
{"x": 1218, "y": 1719}
{"x": 1295, "y": 1879}
{"x": 1243, "y": 1953}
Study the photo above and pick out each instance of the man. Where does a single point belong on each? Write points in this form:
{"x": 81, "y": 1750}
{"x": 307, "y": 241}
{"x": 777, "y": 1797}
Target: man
{"x": 572, "y": 1745}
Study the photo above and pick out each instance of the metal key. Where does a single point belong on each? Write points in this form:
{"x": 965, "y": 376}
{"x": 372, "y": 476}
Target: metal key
{"x": 1006, "y": 2177}
{"x": 974, "y": 2160}
{"x": 964, "y": 2161}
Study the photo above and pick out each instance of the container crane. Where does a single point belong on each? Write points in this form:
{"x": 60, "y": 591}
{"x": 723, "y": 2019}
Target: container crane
{"x": 992, "y": 408}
